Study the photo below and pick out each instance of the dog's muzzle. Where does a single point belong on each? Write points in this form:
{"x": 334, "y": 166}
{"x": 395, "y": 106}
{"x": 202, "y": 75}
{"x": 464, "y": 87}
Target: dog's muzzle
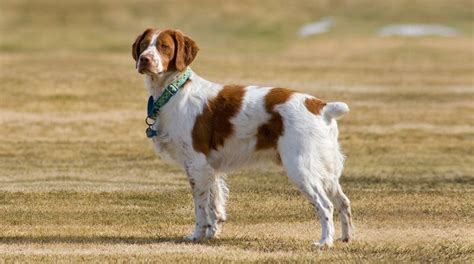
{"x": 146, "y": 65}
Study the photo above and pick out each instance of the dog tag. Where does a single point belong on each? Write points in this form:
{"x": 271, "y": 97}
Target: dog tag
{"x": 150, "y": 132}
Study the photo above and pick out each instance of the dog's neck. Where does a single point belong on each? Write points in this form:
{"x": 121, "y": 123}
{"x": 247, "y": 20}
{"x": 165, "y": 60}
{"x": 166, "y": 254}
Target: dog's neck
{"x": 155, "y": 84}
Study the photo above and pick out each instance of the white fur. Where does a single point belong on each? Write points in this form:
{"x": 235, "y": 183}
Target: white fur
{"x": 309, "y": 151}
{"x": 335, "y": 110}
{"x": 153, "y": 52}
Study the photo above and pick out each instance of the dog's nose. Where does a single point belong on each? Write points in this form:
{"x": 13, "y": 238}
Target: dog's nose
{"x": 145, "y": 59}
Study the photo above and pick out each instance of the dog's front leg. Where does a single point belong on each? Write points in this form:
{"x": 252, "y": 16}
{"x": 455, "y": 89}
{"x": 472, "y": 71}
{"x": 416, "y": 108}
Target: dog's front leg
{"x": 217, "y": 200}
{"x": 200, "y": 179}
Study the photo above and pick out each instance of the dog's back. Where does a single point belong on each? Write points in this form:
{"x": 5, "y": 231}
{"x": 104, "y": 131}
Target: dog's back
{"x": 241, "y": 125}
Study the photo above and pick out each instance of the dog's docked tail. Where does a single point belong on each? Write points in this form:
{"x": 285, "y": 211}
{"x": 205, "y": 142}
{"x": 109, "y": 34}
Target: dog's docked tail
{"x": 334, "y": 110}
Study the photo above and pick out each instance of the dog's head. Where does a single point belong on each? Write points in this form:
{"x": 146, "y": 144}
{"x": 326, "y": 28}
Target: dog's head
{"x": 156, "y": 52}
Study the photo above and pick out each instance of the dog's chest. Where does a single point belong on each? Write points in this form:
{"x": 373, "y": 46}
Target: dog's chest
{"x": 166, "y": 149}
{"x": 164, "y": 144}
{"x": 173, "y": 142}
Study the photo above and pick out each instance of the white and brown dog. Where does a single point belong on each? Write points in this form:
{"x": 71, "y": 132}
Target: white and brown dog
{"x": 210, "y": 129}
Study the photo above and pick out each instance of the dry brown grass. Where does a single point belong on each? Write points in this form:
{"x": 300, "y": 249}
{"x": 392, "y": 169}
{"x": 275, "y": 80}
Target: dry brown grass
{"x": 80, "y": 182}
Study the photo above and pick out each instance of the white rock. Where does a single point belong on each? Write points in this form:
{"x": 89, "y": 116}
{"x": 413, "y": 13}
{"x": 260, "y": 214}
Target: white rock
{"x": 417, "y": 30}
{"x": 318, "y": 27}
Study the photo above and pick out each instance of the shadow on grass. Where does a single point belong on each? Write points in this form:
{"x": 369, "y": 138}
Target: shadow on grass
{"x": 268, "y": 245}
{"x": 89, "y": 239}
{"x": 409, "y": 182}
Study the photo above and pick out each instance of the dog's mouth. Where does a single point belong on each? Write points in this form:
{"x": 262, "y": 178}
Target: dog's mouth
{"x": 148, "y": 71}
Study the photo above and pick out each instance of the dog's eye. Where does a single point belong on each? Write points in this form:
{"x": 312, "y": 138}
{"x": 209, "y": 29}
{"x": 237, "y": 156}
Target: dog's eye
{"x": 143, "y": 46}
{"x": 164, "y": 46}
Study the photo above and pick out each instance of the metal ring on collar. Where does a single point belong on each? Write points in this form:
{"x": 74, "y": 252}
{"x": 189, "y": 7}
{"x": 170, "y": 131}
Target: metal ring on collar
{"x": 150, "y": 123}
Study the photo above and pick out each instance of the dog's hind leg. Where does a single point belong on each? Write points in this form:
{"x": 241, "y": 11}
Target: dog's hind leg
{"x": 201, "y": 179}
{"x": 307, "y": 173}
{"x": 313, "y": 189}
{"x": 217, "y": 200}
{"x": 343, "y": 206}
{"x": 325, "y": 210}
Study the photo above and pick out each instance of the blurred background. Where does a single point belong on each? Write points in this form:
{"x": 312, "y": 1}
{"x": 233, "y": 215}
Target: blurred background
{"x": 76, "y": 168}
{"x": 242, "y": 39}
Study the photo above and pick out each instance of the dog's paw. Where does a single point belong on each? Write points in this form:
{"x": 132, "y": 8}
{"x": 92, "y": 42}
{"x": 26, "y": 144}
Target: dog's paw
{"x": 345, "y": 239}
{"x": 193, "y": 238}
{"x": 212, "y": 233}
{"x": 323, "y": 243}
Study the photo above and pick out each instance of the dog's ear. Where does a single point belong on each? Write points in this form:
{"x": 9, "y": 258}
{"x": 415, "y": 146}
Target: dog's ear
{"x": 186, "y": 50}
{"x": 136, "y": 44}
{"x": 136, "y": 47}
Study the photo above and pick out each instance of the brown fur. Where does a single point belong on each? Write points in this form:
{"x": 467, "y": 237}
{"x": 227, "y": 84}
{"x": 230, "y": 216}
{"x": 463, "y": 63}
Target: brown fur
{"x": 314, "y": 105}
{"x": 166, "y": 46}
{"x": 137, "y": 47}
{"x": 213, "y": 126}
{"x": 268, "y": 133}
{"x": 185, "y": 52}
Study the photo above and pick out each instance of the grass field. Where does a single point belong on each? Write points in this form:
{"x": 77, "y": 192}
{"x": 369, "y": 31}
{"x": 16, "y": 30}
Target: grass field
{"x": 80, "y": 182}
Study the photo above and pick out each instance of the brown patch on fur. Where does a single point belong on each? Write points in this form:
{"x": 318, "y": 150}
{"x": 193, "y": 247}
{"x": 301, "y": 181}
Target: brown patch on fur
{"x": 138, "y": 45}
{"x": 185, "y": 51}
{"x": 213, "y": 126}
{"x": 166, "y": 47}
{"x": 314, "y": 105}
{"x": 268, "y": 133}
{"x": 186, "y": 84}
{"x": 177, "y": 50}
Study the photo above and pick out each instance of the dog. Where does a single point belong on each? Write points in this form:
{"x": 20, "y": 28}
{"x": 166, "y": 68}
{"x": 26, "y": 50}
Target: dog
{"x": 210, "y": 129}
